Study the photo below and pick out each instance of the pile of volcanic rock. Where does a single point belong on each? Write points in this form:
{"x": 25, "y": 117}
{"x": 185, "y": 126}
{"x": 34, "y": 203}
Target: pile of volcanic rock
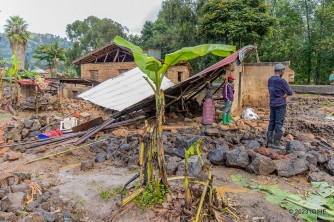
{"x": 30, "y": 128}
{"x": 16, "y": 190}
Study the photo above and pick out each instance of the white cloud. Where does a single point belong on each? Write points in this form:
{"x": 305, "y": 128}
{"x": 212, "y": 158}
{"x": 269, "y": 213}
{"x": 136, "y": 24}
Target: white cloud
{"x": 52, "y": 16}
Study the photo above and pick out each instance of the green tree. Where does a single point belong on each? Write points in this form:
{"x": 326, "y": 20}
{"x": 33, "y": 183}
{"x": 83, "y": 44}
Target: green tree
{"x": 90, "y": 34}
{"x": 51, "y": 53}
{"x": 176, "y": 27}
{"x": 236, "y": 22}
{"x": 18, "y": 36}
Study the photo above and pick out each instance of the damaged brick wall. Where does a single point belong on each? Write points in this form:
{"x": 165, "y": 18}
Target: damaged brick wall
{"x": 104, "y": 71}
{"x": 255, "y": 83}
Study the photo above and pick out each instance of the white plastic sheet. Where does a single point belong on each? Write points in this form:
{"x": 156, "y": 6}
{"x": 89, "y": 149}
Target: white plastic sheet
{"x": 249, "y": 114}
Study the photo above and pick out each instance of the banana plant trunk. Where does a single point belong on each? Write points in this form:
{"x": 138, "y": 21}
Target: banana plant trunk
{"x": 160, "y": 108}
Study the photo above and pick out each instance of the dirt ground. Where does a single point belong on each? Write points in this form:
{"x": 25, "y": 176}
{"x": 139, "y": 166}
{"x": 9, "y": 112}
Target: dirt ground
{"x": 85, "y": 187}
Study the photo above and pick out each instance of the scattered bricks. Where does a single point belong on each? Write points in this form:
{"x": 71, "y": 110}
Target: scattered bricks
{"x": 263, "y": 125}
{"x": 120, "y": 132}
{"x": 174, "y": 131}
{"x": 11, "y": 156}
{"x": 212, "y": 132}
{"x": 198, "y": 120}
{"x": 3, "y": 151}
{"x": 224, "y": 127}
{"x": 251, "y": 123}
{"x": 240, "y": 124}
{"x": 289, "y": 137}
{"x": 218, "y": 113}
{"x": 235, "y": 118}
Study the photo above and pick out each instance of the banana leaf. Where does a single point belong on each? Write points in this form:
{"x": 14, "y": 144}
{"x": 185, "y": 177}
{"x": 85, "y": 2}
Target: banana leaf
{"x": 318, "y": 204}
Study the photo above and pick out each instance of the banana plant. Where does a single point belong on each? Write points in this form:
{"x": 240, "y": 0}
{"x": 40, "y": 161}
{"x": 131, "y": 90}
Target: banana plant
{"x": 12, "y": 73}
{"x": 156, "y": 71}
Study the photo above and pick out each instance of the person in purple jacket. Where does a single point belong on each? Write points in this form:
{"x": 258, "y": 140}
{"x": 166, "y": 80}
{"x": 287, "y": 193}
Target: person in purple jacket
{"x": 228, "y": 95}
{"x": 279, "y": 90}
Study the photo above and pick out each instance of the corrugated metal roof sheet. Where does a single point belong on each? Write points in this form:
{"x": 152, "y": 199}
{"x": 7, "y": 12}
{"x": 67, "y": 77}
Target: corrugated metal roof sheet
{"x": 122, "y": 91}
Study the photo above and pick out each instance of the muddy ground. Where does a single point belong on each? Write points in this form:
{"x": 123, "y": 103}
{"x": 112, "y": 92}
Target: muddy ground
{"x": 307, "y": 114}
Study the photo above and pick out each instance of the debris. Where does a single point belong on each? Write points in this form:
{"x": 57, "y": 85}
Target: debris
{"x": 249, "y": 114}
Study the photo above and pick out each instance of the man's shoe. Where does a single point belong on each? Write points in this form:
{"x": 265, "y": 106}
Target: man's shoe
{"x": 277, "y": 141}
{"x": 270, "y": 137}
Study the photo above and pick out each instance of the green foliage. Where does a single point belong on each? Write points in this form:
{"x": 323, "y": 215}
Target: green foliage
{"x": 150, "y": 197}
{"x": 33, "y": 43}
{"x": 51, "y": 53}
{"x": 105, "y": 195}
{"x": 156, "y": 71}
{"x": 16, "y": 30}
{"x": 310, "y": 50}
{"x": 318, "y": 204}
{"x": 90, "y": 34}
{"x": 13, "y": 67}
{"x": 237, "y": 22}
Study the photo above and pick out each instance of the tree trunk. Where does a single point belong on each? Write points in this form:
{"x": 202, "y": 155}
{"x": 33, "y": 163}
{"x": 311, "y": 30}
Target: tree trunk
{"x": 321, "y": 31}
{"x": 20, "y": 53}
{"x": 160, "y": 100}
{"x": 309, "y": 65}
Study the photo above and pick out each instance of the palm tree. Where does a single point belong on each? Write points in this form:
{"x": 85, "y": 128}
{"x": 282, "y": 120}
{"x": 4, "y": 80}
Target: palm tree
{"x": 18, "y": 36}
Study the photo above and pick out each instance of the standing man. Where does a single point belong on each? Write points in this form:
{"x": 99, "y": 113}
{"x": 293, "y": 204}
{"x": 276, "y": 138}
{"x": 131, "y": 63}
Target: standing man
{"x": 331, "y": 78}
{"x": 279, "y": 90}
{"x": 228, "y": 95}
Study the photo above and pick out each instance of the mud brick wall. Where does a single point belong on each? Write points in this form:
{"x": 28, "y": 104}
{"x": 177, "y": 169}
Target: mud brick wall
{"x": 105, "y": 70}
{"x": 255, "y": 83}
{"x": 176, "y": 73}
{"x": 251, "y": 84}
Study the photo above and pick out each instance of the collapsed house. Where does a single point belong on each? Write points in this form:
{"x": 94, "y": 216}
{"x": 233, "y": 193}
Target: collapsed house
{"x": 112, "y": 60}
{"x": 248, "y": 77}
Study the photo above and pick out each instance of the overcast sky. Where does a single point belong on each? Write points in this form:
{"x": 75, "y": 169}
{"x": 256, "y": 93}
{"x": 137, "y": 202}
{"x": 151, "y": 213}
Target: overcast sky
{"x": 52, "y": 16}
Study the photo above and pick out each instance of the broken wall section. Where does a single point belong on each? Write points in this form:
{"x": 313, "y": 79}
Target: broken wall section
{"x": 251, "y": 84}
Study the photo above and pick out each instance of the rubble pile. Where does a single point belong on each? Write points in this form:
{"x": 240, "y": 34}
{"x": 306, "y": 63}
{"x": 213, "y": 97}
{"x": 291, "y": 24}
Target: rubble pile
{"x": 236, "y": 148}
{"x": 30, "y": 128}
{"x": 309, "y": 114}
{"x": 77, "y": 105}
{"x": 23, "y": 199}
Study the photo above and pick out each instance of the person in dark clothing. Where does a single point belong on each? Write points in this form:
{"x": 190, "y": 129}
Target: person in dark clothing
{"x": 279, "y": 90}
{"x": 228, "y": 95}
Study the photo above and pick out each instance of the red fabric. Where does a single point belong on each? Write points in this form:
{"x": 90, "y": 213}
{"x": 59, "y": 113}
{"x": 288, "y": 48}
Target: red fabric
{"x": 231, "y": 77}
{"x": 54, "y": 133}
{"x": 41, "y": 85}
{"x": 208, "y": 112}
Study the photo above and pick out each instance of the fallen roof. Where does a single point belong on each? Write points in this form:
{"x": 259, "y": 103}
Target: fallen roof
{"x": 110, "y": 50}
{"x": 122, "y": 91}
{"x": 185, "y": 90}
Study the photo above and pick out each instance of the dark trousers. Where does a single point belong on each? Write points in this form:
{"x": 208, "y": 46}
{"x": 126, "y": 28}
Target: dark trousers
{"x": 277, "y": 115}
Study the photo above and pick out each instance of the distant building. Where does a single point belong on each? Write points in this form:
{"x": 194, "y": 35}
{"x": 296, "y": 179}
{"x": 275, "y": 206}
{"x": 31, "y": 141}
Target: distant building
{"x": 111, "y": 60}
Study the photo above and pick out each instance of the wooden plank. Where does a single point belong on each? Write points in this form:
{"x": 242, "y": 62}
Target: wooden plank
{"x": 88, "y": 125}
